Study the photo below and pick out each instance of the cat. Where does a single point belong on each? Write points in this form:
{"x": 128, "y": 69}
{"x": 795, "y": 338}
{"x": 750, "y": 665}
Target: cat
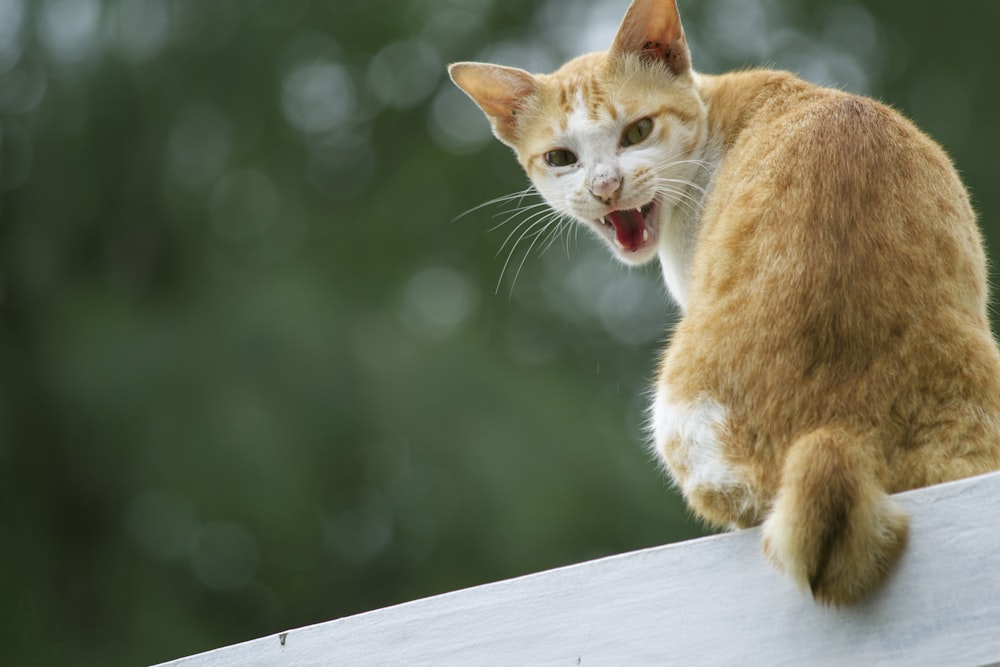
{"x": 834, "y": 344}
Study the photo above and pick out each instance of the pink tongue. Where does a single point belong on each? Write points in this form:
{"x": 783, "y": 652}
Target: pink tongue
{"x": 628, "y": 227}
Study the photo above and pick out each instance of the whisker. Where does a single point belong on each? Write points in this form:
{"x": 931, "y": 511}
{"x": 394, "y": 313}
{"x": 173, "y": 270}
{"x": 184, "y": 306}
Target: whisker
{"x": 681, "y": 181}
{"x": 669, "y": 186}
{"x": 537, "y": 222}
{"x": 519, "y": 195}
{"x": 557, "y": 227}
{"x": 512, "y": 215}
{"x": 538, "y": 216}
{"x": 532, "y": 230}
{"x": 680, "y": 190}
{"x": 572, "y": 229}
{"x": 534, "y": 223}
{"x": 680, "y": 198}
{"x": 525, "y": 257}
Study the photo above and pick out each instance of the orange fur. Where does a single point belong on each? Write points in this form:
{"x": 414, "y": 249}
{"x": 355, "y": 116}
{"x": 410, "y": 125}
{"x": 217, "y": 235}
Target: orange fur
{"x": 834, "y": 346}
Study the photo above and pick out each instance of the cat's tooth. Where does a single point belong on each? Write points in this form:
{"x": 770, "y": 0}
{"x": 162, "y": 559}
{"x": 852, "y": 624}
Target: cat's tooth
{"x": 645, "y": 235}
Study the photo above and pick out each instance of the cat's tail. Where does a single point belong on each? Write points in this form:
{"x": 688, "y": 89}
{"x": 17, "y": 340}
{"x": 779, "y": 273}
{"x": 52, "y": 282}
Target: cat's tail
{"x": 833, "y": 528}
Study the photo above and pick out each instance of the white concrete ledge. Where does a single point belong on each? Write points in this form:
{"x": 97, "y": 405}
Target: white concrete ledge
{"x": 713, "y": 601}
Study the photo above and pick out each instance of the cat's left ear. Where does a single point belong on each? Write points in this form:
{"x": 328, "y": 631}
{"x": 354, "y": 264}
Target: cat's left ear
{"x": 499, "y": 91}
{"x": 652, "y": 28}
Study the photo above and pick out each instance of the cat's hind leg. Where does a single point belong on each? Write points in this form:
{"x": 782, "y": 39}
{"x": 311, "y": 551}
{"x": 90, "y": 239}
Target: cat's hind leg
{"x": 832, "y": 527}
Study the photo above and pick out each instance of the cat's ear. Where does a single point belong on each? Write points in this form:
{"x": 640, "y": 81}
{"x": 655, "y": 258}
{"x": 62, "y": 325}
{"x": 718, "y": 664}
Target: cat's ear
{"x": 652, "y": 28}
{"x": 499, "y": 92}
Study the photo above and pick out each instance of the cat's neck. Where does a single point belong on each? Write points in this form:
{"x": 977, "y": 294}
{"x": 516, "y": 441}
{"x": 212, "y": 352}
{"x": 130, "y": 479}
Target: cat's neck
{"x": 734, "y": 100}
{"x": 680, "y": 234}
{"x": 731, "y": 102}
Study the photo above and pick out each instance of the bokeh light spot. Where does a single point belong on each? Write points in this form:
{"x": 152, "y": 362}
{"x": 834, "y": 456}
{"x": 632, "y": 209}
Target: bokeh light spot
{"x": 437, "y": 301}
{"x": 11, "y": 23}
{"x": 23, "y": 88}
{"x": 70, "y": 29}
{"x": 139, "y": 29}
{"x": 318, "y": 96}
{"x": 456, "y": 123}
{"x": 403, "y": 74}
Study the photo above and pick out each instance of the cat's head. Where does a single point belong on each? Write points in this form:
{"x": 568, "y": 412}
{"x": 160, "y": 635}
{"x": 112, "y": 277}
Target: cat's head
{"x": 608, "y": 138}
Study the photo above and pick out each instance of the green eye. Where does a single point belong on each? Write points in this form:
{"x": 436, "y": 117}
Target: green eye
{"x": 560, "y": 158}
{"x": 637, "y": 131}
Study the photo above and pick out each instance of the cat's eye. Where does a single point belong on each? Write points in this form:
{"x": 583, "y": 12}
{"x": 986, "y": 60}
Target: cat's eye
{"x": 560, "y": 158}
{"x": 637, "y": 131}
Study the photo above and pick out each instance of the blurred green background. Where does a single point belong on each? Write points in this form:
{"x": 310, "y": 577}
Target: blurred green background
{"x": 254, "y": 376}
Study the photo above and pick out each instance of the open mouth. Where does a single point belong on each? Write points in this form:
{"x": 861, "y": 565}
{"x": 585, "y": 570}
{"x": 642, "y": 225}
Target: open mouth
{"x": 633, "y": 229}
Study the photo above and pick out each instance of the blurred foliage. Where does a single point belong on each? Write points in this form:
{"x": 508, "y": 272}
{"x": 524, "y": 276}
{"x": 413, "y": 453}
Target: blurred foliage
{"x": 255, "y": 377}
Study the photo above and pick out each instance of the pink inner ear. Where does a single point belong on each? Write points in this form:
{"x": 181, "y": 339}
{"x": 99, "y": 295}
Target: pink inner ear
{"x": 496, "y": 89}
{"x": 656, "y": 49}
{"x": 650, "y": 27}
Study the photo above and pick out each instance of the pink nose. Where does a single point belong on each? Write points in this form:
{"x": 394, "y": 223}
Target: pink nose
{"x": 605, "y": 183}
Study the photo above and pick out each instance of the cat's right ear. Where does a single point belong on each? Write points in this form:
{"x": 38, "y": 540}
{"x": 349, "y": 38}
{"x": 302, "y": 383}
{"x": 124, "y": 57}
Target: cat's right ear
{"x": 499, "y": 92}
{"x": 652, "y": 28}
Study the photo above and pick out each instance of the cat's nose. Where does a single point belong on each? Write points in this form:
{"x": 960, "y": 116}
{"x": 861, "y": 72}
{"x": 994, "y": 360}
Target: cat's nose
{"x": 605, "y": 184}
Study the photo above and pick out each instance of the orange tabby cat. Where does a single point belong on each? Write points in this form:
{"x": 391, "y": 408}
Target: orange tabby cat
{"x": 834, "y": 346}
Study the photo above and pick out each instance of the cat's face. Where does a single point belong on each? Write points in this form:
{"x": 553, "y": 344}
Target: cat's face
{"x": 610, "y": 139}
{"x": 612, "y": 142}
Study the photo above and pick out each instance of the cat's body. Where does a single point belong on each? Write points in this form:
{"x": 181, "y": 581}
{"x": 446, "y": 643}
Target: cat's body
{"x": 834, "y": 345}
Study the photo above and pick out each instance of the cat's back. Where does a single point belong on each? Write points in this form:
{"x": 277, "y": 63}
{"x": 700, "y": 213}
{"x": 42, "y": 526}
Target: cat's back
{"x": 817, "y": 187}
{"x": 788, "y": 132}
{"x": 839, "y": 275}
